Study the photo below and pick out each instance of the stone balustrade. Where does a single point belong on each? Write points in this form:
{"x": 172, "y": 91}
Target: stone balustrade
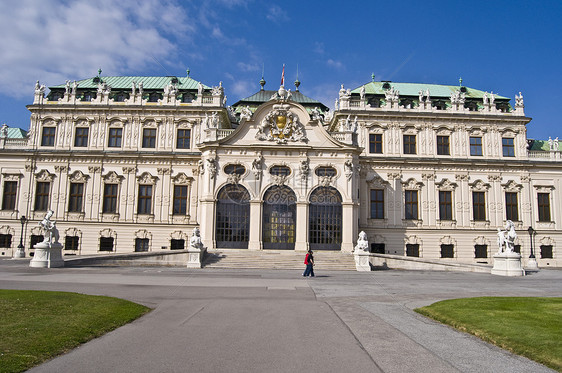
{"x": 545, "y": 155}
{"x": 488, "y": 109}
{"x": 13, "y": 143}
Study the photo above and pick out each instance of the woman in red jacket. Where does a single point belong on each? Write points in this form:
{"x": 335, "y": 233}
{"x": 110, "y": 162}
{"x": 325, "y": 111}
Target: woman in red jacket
{"x": 309, "y": 261}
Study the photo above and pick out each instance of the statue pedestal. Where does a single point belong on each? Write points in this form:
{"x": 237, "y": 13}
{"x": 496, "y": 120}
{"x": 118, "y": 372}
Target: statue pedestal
{"x": 362, "y": 262}
{"x": 47, "y": 255}
{"x": 532, "y": 265}
{"x": 195, "y": 257}
{"x": 20, "y": 252}
{"x": 507, "y": 264}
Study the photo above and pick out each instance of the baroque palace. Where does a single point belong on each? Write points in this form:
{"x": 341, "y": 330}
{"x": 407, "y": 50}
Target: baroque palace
{"x": 135, "y": 163}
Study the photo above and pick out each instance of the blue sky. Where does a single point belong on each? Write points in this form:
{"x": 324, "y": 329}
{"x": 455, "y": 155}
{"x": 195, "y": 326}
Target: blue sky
{"x": 499, "y": 46}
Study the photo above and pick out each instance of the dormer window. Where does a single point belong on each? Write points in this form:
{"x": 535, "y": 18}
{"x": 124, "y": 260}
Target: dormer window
{"x": 120, "y": 97}
{"x": 154, "y": 97}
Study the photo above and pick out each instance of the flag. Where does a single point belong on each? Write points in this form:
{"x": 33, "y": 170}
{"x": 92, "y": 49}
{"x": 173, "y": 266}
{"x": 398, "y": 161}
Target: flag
{"x": 283, "y": 76}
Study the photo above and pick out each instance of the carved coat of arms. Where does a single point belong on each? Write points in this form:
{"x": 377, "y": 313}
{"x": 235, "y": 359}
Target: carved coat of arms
{"x": 281, "y": 125}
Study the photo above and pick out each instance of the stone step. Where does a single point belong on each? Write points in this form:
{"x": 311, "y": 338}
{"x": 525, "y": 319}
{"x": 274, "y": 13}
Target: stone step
{"x": 277, "y": 259}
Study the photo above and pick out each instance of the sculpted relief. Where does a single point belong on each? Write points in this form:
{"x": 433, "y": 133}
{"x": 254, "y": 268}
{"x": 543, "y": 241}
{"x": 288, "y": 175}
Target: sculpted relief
{"x": 281, "y": 125}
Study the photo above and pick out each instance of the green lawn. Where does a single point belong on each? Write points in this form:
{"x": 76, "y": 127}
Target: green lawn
{"x": 531, "y": 327}
{"x": 38, "y": 325}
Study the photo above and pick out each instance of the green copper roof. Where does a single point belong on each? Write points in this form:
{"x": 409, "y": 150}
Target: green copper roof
{"x": 413, "y": 89}
{"x": 16, "y": 133}
{"x": 148, "y": 82}
{"x": 544, "y": 145}
{"x": 263, "y": 96}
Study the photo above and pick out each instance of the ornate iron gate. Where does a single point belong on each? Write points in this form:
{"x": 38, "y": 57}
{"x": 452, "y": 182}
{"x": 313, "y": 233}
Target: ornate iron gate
{"x": 279, "y": 218}
{"x": 233, "y": 217}
{"x": 325, "y": 219}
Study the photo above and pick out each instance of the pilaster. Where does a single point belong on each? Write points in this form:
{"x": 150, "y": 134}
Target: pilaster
{"x": 255, "y": 225}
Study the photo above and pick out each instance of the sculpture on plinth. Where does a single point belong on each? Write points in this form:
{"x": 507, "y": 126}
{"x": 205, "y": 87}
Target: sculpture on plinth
{"x": 506, "y": 238}
{"x": 362, "y": 243}
{"x": 506, "y": 261}
{"x": 48, "y": 254}
{"x": 362, "y": 255}
{"x": 50, "y": 227}
{"x": 195, "y": 240}
{"x": 196, "y": 250}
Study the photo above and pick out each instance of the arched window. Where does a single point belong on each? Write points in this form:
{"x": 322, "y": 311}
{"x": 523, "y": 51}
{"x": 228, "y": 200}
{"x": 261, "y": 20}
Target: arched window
{"x": 279, "y": 218}
{"x": 232, "y": 223}
{"x": 325, "y": 219}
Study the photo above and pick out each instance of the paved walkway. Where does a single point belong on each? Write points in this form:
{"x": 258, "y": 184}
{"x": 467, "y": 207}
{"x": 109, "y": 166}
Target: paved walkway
{"x": 277, "y": 321}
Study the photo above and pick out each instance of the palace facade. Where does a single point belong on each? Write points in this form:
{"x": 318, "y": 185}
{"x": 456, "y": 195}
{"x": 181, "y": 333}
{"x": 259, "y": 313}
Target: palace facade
{"x": 136, "y": 163}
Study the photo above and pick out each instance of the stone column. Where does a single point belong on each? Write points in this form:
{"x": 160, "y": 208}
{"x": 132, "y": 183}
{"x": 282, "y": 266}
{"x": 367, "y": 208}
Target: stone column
{"x": 207, "y": 222}
{"x": 301, "y": 242}
{"x": 255, "y": 225}
{"x": 349, "y": 226}
{"x": 94, "y": 194}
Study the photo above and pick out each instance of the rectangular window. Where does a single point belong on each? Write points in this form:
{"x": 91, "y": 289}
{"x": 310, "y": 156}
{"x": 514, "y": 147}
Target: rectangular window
{"x": 35, "y": 239}
{"x": 443, "y": 145}
{"x": 480, "y": 251}
{"x": 141, "y": 244}
{"x": 177, "y": 244}
{"x": 377, "y": 203}
{"x": 546, "y": 251}
{"x": 149, "y": 138}
{"x": 81, "y": 136}
{"x": 180, "y": 200}
{"x": 5, "y": 240}
{"x": 145, "y": 199}
{"x": 378, "y": 248}
{"x": 75, "y": 197}
{"x": 508, "y": 147}
{"x": 447, "y": 251}
{"x": 411, "y": 204}
{"x": 42, "y": 196}
{"x": 517, "y": 249}
{"x": 48, "y": 136}
{"x": 476, "y": 146}
{"x": 114, "y": 138}
{"x": 511, "y": 210}
{"x": 544, "y": 206}
{"x": 478, "y": 206}
{"x": 409, "y": 144}
{"x": 445, "y": 205}
{"x": 9, "y": 197}
{"x": 110, "y": 198}
{"x": 375, "y": 143}
{"x": 413, "y": 250}
{"x": 71, "y": 242}
{"x": 106, "y": 243}
{"x": 184, "y": 139}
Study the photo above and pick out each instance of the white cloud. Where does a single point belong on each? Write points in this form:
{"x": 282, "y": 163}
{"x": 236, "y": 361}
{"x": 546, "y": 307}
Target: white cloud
{"x": 335, "y": 64}
{"x": 242, "y": 88}
{"x": 276, "y": 14}
{"x": 319, "y": 48}
{"x": 53, "y": 41}
{"x": 248, "y": 67}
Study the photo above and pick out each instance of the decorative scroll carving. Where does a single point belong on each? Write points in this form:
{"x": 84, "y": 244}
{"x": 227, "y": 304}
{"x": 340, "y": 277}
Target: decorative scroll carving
{"x": 281, "y": 125}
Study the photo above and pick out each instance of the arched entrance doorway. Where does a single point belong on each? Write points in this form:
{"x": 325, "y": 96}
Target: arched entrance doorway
{"x": 279, "y": 218}
{"x": 325, "y": 219}
{"x": 233, "y": 217}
